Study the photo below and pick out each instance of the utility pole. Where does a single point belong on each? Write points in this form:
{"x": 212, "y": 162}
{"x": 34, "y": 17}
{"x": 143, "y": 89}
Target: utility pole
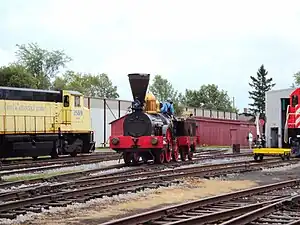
{"x": 233, "y": 102}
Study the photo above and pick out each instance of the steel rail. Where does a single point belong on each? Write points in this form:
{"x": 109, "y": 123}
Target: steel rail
{"x": 41, "y": 167}
{"x": 164, "y": 213}
{"x": 135, "y": 173}
{"x": 73, "y": 175}
{"x": 6, "y": 165}
{"x": 25, "y": 163}
{"x": 260, "y": 213}
{"x": 221, "y": 215}
{"x": 94, "y": 190}
{"x": 60, "y": 177}
{"x": 28, "y": 168}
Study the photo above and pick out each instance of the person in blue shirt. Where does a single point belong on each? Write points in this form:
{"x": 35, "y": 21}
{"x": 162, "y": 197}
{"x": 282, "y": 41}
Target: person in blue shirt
{"x": 168, "y": 108}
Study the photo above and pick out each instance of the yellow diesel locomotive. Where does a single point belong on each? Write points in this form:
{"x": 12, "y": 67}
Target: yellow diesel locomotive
{"x": 42, "y": 122}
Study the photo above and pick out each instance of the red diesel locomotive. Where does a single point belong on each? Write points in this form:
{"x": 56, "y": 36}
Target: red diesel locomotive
{"x": 151, "y": 135}
{"x": 292, "y": 123}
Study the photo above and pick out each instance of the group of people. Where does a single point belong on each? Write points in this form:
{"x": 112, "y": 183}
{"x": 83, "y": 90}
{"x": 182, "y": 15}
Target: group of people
{"x": 168, "y": 108}
{"x": 259, "y": 142}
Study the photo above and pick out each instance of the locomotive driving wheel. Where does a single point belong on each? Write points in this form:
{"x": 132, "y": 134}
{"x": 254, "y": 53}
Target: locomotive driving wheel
{"x": 183, "y": 153}
{"x": 127, "y": 158}
{"x": 135, "y": 158}
{"x": 168, "y": 155}
{"x": 191, "y": 152}
{"x": 159, "y": 157}
{"x": 170, "y": 146}
{"x": 175, "y": 155}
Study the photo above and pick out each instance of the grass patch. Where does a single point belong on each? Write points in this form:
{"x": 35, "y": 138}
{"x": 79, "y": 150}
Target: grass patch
{"x": 24, "y": 158}
{"x": 101, "y": 149}
{"x": 216, "y": 146}
{"x": 13, "y": 178}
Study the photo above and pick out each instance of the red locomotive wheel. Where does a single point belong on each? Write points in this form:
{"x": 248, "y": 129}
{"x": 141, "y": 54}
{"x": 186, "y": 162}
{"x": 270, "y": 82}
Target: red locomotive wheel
{"x": 127, "y": 158}
{"x": 168, "y": 156}
{"x": 160, "y": 157}
{"x": 191, "y": 152}
{"x": 172, "y": 148}
{"x": 175, "y": 154}
{"x": 183, "y": 154}
{"x": 190, "y": 156}
{"x": 135, "y": 158}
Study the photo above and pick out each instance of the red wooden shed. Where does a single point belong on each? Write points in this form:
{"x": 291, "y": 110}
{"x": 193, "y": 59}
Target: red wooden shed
{"x": 224, "y": 132}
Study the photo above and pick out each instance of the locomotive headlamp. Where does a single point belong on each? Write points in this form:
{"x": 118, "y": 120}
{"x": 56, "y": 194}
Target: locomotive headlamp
{"x": 154, "y": 141}
{"x": 115, "y": 141}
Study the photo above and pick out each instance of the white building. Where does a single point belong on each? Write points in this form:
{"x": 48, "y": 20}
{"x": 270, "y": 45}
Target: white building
{"x": 276, "y": 105}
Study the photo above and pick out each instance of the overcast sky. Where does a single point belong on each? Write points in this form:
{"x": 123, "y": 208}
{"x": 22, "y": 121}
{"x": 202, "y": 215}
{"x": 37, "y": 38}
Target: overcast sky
{"x": 189, "y": 42}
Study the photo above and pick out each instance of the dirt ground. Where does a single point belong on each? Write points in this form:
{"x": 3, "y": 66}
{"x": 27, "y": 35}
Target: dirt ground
{"x": 98, "y": 211}
{"x": 191, "y": 189}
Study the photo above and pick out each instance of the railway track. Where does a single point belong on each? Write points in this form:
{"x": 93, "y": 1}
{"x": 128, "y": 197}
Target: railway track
{"x": 33, "y": 166}
{"x": 8, "y": 170}
{"x": 18, "y": 161}
{"x": 251, "y": 206}
{"x": 282, "y": 212}
{"x": 73, "y": 175}
{"x": 26, "y": 163}
{"x": 81, "y": 190}
{"x": 53, "y": 164}
{"x": 133, "y": 173}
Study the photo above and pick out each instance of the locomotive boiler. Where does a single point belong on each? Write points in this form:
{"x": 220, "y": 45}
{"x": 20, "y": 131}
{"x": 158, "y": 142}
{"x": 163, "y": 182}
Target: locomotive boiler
{"x": 149, "y": 134}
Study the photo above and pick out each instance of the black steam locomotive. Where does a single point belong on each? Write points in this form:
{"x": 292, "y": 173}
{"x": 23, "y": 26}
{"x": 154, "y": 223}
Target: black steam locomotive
{"x": 149, "y": 134}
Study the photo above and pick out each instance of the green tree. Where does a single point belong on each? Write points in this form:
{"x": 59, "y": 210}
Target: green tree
{"x": 260, "y": 85}
{"x": 162, "y": 89}
{"x": 41, "y": 63}
{"x": 296, "y": 80}
{"x": 15, "y": 75}
{"x": 209, "y": 97}
{"x": 95, "y": 86}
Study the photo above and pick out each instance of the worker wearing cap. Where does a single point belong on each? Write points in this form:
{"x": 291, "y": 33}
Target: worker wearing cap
{"x": 168, "y": 107}
{"x": 168, "y": 110}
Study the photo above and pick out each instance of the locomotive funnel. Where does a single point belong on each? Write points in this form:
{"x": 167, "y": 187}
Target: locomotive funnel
{"x": 139, "y": 83}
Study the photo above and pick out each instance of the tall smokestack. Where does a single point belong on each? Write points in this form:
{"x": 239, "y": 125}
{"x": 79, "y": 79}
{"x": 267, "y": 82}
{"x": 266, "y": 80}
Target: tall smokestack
{"x": 139, "y": 83}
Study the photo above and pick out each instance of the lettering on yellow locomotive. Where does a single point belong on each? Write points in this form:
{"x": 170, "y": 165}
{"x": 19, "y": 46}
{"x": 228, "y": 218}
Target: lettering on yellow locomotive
{"x": 39, "y": 122}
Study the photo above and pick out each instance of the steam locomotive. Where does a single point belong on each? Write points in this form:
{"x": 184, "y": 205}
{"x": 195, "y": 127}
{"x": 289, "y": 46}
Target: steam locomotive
{"x": 151, "y": 135}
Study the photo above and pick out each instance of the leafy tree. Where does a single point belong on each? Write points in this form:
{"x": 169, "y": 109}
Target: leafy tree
{"x": 43, "y": 64}
{"x": 162, "y": 89}
{"x": 209, "y": 97}
{"x": 95, "y": 86}
{"x": 296, "y": 79}
{"x": 15, "y": 75}
{"x": 260, "y": 85}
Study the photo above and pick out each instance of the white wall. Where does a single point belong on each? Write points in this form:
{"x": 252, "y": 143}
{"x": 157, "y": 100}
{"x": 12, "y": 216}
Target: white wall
{"x": 273, "y": 113}
{"x": 113, "y": 109}
{"x": 212, "y": 113}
